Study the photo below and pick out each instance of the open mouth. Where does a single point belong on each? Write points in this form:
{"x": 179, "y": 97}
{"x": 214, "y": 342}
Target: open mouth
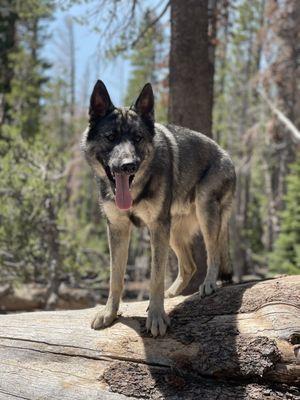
{"x": 121, "y": 184}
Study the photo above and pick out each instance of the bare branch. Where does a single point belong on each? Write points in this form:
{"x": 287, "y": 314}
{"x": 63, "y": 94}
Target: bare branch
{"x": 153, "y": 23}
{"x": 142, "y": 34}
{"x": 133, "y": 7}
{"x": 295, "y": 133}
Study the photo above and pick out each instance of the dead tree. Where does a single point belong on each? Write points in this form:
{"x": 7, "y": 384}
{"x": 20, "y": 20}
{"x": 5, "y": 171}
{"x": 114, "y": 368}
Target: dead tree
{"x": 240, "y": 343}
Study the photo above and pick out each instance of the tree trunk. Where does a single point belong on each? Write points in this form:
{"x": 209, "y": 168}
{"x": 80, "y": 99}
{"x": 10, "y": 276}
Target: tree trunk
{"x": 55, "y": 262}
{"x": 8, "y": 21}
{"x": 191, "y": 83}
{"x": 191, "y": 70}
{"x": 240, "y": 343}
{"x": 71, "y": 54}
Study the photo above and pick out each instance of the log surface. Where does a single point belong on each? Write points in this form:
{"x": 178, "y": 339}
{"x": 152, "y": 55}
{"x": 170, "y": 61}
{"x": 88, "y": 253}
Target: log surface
{"x": 241, "y": 343}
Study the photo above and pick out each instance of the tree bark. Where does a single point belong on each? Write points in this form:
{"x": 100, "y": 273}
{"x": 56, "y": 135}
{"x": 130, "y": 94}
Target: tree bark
{"x": 191, "y": 70}
{"x": 240, "y": 343}
{"x": 8, "y": 21}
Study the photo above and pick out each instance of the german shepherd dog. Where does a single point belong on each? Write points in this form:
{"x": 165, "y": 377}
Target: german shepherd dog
{"x": 174, "y": 180}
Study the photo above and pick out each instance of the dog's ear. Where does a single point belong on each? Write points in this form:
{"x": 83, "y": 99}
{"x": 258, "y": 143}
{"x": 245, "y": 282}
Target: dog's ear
{"x": 144, "y": 104}
{"x": 100, "y": 103}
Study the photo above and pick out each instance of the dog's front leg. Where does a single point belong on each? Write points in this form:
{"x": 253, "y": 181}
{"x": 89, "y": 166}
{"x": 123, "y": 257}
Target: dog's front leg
{"x": 157, "y": 320}
{"x": 118, "y": 237}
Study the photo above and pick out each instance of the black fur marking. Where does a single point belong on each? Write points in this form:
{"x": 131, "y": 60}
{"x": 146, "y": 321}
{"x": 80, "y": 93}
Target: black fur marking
{"x": 97, "y": 123}
{"x": 104, "y": 188}
{"x": 169, "y": 194}
{"x": 225, "y": 277}
{"x": 192, "y": 195}
{"x": 204, "y": 173}
{"x": 100, "y": 102}
{"x": 146, "y": 193}
{"x": 136, "y": 220}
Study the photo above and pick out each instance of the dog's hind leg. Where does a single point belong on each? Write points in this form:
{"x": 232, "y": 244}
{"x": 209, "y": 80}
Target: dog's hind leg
{"x": 186, "y": 265}
{"x": 209, "y": 215}
{"x": 225, "y": 273}
{"x": 118, "y": 236}
{"x": 213, "y": 216}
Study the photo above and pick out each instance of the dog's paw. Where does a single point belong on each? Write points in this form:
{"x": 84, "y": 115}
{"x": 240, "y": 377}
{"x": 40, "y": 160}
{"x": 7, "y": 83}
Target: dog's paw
{"x": 171, "y": 292}
{"x": 157, "y": 322}
{"x": 176, "y": 288}
{"x": 103, "y": 319}
{"x": 208, "y": 287}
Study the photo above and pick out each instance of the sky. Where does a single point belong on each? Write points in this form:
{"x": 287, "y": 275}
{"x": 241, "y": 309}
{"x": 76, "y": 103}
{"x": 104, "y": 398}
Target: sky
{"x": 89, "y": 66}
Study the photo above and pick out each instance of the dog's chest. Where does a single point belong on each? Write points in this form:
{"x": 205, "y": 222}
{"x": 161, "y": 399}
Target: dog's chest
{"x": 148, "y": 211}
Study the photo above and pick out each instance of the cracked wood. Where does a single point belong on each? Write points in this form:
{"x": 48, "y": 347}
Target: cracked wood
{"x": 242, "y": 342}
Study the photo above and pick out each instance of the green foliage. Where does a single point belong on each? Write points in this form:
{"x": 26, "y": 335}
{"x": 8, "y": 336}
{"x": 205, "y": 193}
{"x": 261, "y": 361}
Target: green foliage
{"x": 147, "y": 60}
{"x": 37, "y": 225}
{"x": 286, "y": 255}
{"x": 49, "y": 212}
{"x": 26, "y": 190}
{"x": 239, "y": 126}
{"x": 26, "y": 92}
{"x": 43, "y": 223}
{"x": 24, "y": 66}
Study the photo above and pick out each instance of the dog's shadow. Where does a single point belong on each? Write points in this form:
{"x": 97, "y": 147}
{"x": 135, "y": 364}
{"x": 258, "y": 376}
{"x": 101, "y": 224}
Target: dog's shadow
{"x": 201, "y": 347}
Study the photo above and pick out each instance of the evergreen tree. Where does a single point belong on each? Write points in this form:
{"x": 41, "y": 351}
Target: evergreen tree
{"x": 8, "y": 18}
{"x": 238, "y": 125}
{"x": 286, "y": 255}
{"x": 39, "y": 239}
{"x": 148, "y": 65}
{"x": 22, "y": 65}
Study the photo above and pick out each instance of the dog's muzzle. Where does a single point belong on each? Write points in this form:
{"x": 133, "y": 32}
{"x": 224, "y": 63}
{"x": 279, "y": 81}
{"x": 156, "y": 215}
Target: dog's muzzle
{"x": 122, "y": 177}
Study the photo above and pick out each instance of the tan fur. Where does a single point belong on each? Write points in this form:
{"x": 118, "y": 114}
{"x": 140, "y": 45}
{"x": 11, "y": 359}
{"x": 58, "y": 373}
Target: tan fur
{"x": 148, "y": 211}
{"x": 181, "y": 183}
{"x": 118, "y": 237}
{"x": 184, "y": 226}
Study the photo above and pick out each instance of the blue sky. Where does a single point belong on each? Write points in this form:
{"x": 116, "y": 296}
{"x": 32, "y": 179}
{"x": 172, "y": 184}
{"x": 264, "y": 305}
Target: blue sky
{"x": 89, "y": 66}
{"x": 115, "y": 74}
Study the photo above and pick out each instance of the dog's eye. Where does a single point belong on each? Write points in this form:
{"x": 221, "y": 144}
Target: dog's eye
{"x": 111, "y": 137}
{"x": 138, "y": 138}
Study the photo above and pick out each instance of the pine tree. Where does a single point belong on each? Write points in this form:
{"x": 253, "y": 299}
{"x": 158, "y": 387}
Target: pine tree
{"x": 147, "y": 60}
{"x": 34, "y": 195}
{"x": 8, "y": 19}
{"x": 23, "y": 65}
{"x": 286, "y": 255}
{"x": 237, "y": 122}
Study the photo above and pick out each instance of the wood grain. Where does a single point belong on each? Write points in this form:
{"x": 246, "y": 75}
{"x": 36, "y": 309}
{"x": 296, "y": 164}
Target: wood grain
{"x": 243, "y": 342}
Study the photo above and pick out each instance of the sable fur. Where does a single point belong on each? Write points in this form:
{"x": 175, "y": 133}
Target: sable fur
{"x": 183, "y": 183}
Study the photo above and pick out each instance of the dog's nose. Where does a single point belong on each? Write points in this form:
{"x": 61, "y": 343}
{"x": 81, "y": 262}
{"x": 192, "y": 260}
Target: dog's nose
{"x": 129, "y": 167}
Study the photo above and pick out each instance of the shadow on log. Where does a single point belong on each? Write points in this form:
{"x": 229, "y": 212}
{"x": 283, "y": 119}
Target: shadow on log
{"x": 241, "y": 343}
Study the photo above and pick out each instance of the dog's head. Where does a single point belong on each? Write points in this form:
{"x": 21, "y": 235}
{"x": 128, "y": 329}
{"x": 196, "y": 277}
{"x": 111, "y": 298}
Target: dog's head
{"x": 119, "y": 140}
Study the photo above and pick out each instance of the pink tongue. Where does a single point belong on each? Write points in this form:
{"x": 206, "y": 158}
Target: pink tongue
{"x": 123, "y": 196}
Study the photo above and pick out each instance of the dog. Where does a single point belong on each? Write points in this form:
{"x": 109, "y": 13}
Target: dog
{"x": 176, "y": 181}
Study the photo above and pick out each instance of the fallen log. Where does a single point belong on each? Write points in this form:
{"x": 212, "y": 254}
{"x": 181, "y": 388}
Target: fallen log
{"x": 243, "y": 342}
